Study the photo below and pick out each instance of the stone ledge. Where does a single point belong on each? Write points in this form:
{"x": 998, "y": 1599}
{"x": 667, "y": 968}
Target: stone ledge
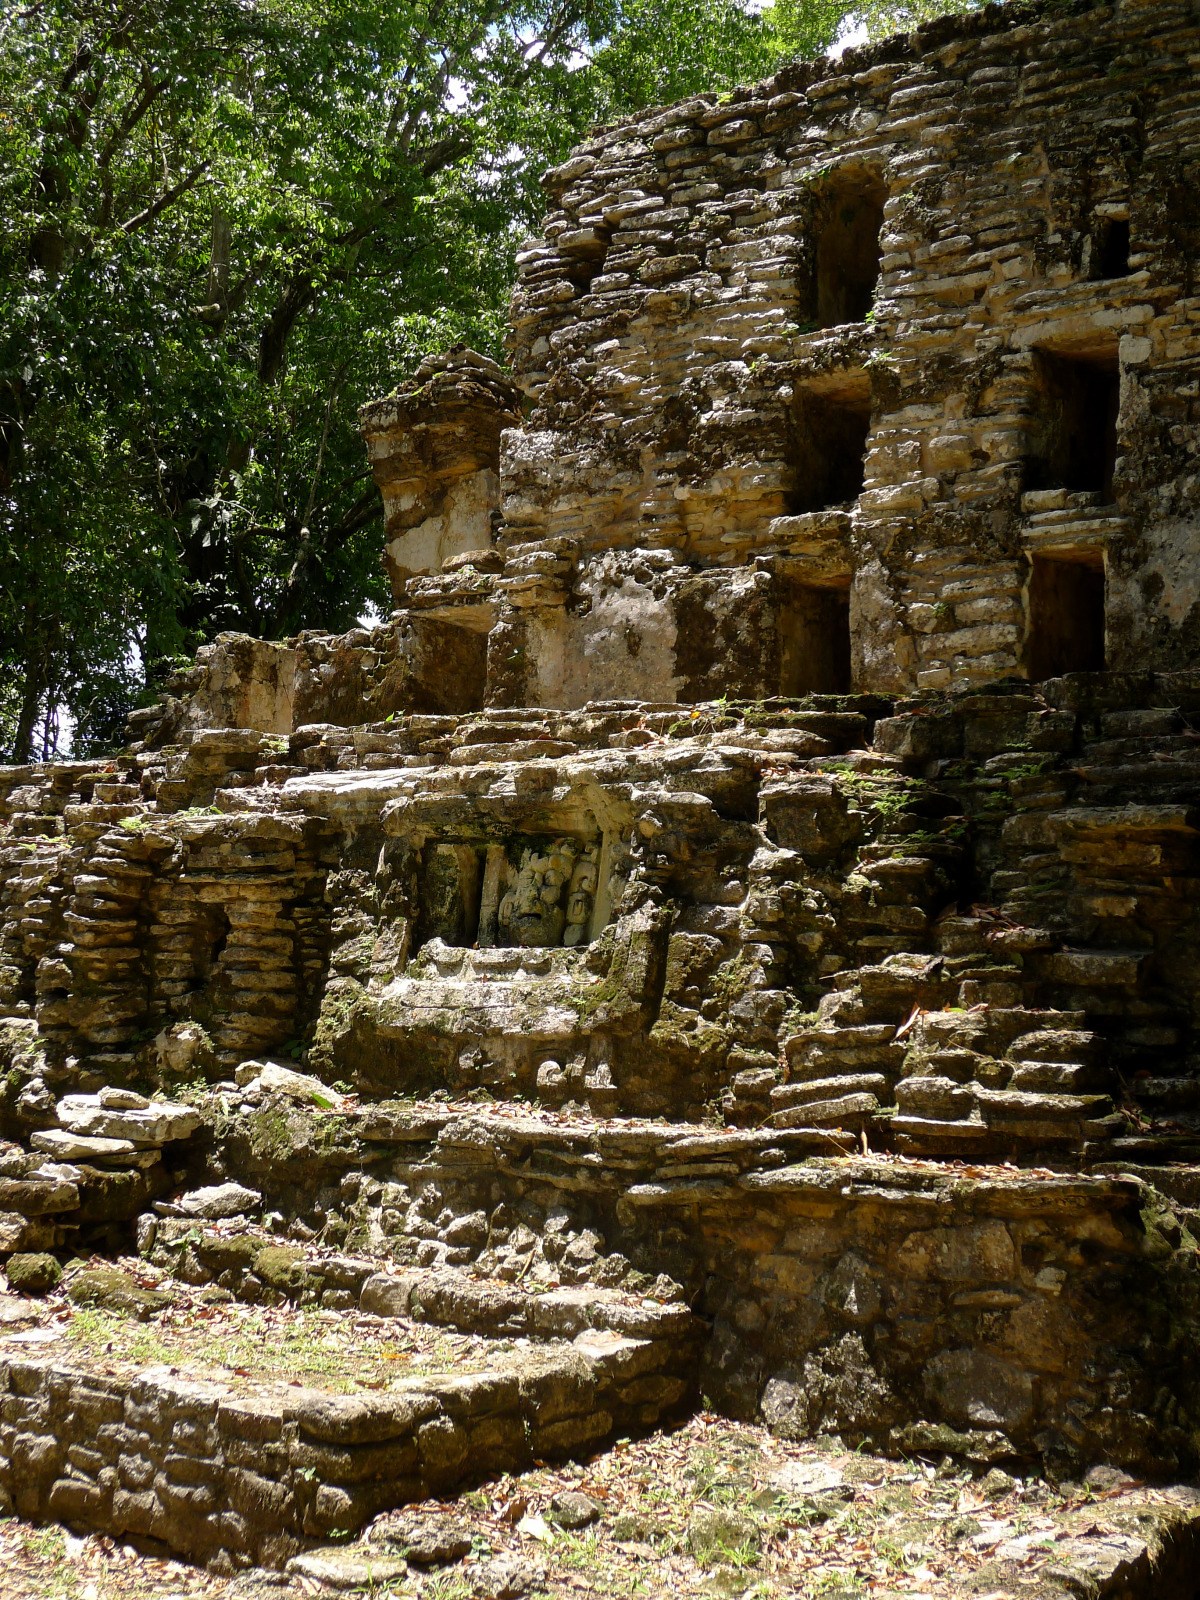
{"x": 219, "y": 1472}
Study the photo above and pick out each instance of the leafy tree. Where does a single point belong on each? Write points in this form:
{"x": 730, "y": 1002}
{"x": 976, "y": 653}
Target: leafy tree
{"x": 226, "y": 224}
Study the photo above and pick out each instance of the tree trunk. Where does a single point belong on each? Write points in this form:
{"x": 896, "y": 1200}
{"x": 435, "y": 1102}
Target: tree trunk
{"x": 217, "y": 292}
{"x": 31, "y": 704}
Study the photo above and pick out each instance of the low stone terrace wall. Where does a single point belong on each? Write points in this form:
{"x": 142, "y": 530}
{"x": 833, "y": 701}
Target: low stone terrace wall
{"x": 237, "y": 1474}
{"x": 977, "y": 1310}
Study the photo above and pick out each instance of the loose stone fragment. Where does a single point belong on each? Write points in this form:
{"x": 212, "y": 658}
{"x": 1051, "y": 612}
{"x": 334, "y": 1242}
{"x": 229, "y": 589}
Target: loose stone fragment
{"x": 428, "y": 1541}
{"x": 572, "y": 1510}
{"x": 346, "y": 1569}
{"x": 32, "y": 1274}
{"x": 65, "y": 1146}
{"x": 152, "y": 1123}
{"x": 219, "y": 1200}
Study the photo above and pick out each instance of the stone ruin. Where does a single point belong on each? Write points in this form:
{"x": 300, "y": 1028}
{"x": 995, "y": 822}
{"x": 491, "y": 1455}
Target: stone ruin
{"x": 735, "y": 923}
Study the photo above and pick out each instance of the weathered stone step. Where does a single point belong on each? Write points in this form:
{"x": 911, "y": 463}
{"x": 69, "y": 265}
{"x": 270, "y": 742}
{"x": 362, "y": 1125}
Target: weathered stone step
{"x": 1008, "y": 1117}
{"x": 449, "y": 1298}
{"x": 839, "y": 1111}
{"x": 1158, "y": 1148}
{"x": 1053, "y": 1077}
{"x": 818, "y": 1061}
{"x": 1139, "y": 777}
{"x": 251, "y": 1472}
{"x": 116, "y": 793}
{"x": 1053, "y": 1044}
{"x": 1165, "y": 1095}
{"x": 1141, "y": 722}
{"x": 1095, "y": 969}
{"x": 1012, "y": 1105}
{"x": 1129, "y": 748}
{"x": 96, "y": 815}
{"x": 813, "y": 1091}
{"x": 936, "y": 1097}
{"x": 933, "y": 1136}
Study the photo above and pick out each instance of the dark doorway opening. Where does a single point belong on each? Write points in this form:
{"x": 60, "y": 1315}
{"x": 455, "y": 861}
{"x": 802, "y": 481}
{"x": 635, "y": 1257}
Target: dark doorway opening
{"x": 1110, "y": 248}
{"x": 1075, "y": 437}
{"x": 814, "y": 640}
{"x": 1066, "y": 615}
{"x": 446, "y": 663}
{"x": 830, "y": 449}
{"x": 848, "y": 219}
{"x": 448, "y": 897}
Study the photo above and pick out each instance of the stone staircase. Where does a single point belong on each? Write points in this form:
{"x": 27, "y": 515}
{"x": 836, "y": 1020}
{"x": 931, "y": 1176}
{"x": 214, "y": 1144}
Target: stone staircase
{"x": 878, "y": 1001}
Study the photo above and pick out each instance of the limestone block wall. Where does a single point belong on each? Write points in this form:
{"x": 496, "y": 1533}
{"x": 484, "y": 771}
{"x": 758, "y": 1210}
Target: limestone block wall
{"x": 234, "y": 1476}
{"x": 878, "y": 375}
{"x": 991, "y": 1312}
{"x": 140, "y": 930}
{"x": 727, "y": 906}
{"x": 933, "y": 304}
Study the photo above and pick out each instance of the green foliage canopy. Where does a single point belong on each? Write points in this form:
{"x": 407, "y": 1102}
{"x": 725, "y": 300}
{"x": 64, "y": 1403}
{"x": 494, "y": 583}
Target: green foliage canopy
{"x": 226, "y": 223}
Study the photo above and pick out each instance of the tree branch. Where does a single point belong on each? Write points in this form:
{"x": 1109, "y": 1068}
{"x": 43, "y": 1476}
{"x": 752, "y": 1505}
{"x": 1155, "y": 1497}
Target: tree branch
{"x": 129, "y": 119}
{"x": 132, "y": 224}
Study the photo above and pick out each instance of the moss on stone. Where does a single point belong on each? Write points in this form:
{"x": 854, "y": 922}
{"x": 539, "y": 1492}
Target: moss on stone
{"x": 114, "y": 1290}
{"x": 281, "y": 1267}
{"x": 33, "y": 1272}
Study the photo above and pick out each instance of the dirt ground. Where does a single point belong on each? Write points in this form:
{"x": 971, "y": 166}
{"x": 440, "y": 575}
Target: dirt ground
{"x": 715, "y": 1508}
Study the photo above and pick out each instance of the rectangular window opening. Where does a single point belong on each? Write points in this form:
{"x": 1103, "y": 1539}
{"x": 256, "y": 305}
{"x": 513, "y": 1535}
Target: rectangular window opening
{"x": 1075, "y": 433}
{"x": 1066, "y": 615}
{"x": 446, "y": 664}
{"x": 1109, "y": 254}
{"x": 584, "y": 253}
{"x": 848, "y": 219}
{"x": 814, "y": 641}
{"x": 830, "y": 449}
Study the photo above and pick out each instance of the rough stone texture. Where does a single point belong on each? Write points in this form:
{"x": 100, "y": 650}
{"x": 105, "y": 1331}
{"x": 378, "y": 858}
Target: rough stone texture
{"x": 245, "y": 1477}
{"x": 575, "y": 956}
{"x": 433, "y": 448}
{"x": 704, "y": 397}
{"x": 878, "y": 372}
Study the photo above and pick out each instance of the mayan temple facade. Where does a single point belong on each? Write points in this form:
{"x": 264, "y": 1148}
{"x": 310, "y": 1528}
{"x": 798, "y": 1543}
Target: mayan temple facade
{"x": 736, "y": 923}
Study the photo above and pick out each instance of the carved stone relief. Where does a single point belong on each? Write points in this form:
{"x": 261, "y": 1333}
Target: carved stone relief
{"x": 532, "y": 893}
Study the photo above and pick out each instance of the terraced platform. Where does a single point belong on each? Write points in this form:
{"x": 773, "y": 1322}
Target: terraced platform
{"x": 864, "y": 1111}
{"x": 235, "y": 1435}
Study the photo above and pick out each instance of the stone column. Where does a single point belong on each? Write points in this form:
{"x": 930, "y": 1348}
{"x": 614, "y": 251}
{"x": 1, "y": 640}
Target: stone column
{"x": 434, "y": 448}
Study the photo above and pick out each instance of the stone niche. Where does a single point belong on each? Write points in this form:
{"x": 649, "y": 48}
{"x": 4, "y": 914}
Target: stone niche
{"x": 846, "y": 225}
{"x": 497, "y": 871}
{"x": 830, "y": 441}
{"x": 650, "y": 626}
{"x": 529, "y": 892}
{"x": 1074, "y": 440}
{"x": 1066, "y": 613}
{"x": 814, "y": 638}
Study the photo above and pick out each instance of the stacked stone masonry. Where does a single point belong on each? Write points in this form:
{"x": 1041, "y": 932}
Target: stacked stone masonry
{"x": 734, "y": 928}
{"x": 878, "y": 374}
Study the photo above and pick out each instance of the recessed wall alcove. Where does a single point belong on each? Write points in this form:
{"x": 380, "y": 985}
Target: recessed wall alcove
{"x": 1074, "y": 440}
{"x": 814, "y": 639}
{"x": 1066, "y": 614}
{"x": 1108, "y": 248}
{"x": 847, "y": 221}
{"x": 830, "y": 429}
{"x": 531, "y": 892}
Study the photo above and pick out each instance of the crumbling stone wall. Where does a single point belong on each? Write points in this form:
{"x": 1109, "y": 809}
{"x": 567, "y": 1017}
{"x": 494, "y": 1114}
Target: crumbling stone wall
{"x": 235, "y": 1478}
{"x": 1019, "y": 182}
{"x": 879, "y": 374}
{"x": 686, "y": 895}
{"x": 998, "y": 1315}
